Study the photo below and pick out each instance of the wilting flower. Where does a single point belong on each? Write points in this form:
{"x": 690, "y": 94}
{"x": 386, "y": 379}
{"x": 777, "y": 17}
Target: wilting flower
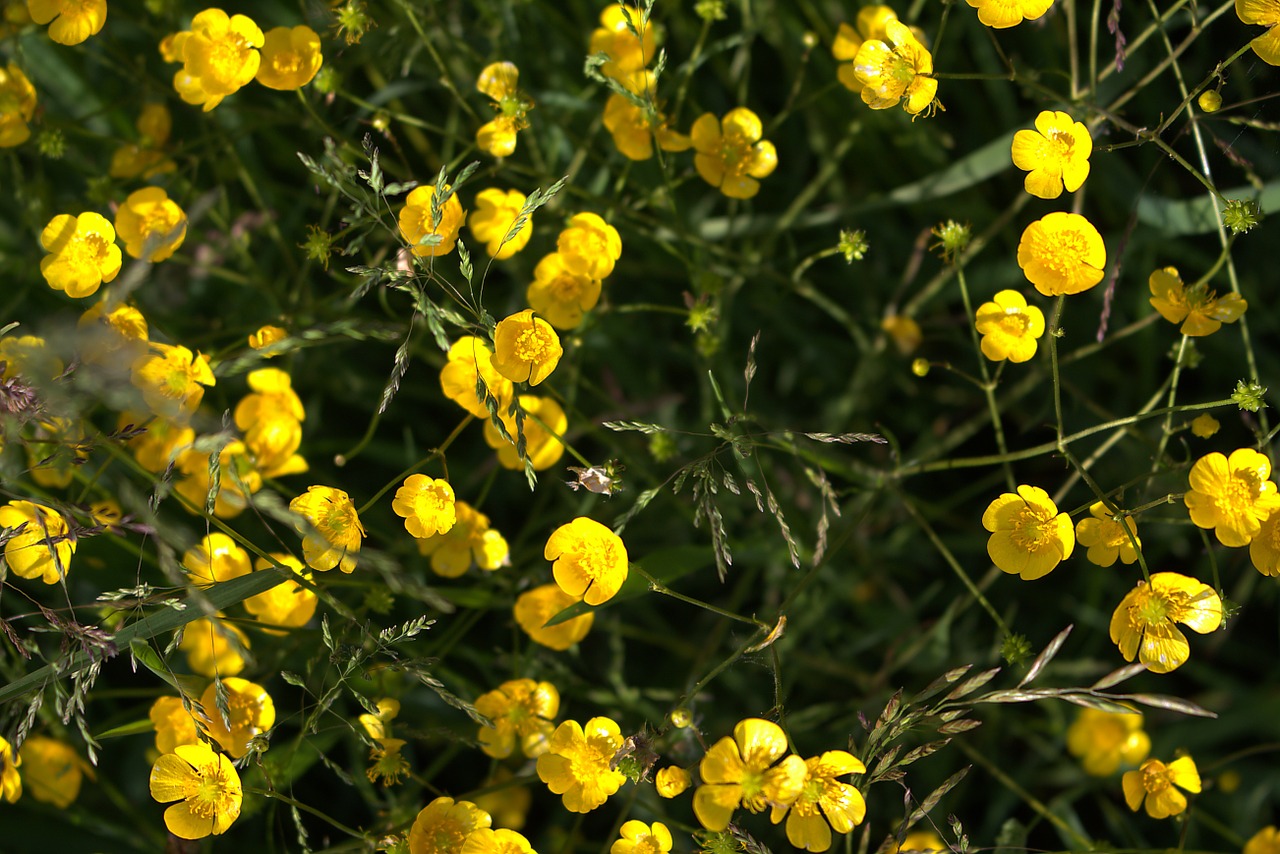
{"x": 82, "y": 253}
{"x": 590, "y": 560}
{"x": 205, "y": 783}
{"x": 521, "y": 710}
{"x": 1062, "y": 253}
{"x": 443, "y": 825}
{"x": 290, "y": 58}
{"x": 1265, "y": 13}
{"x": 535, "y": 607}
{"x": 999, "y": 14}
{"x": 1157, "y": 784}
{"x": 559, "y": 294}
{"x": 870, "y": 24}
{"x": 499, "y": 81}
{"x": 545, "y": 422}
{"x": 1103, "y": 740}
{"x": 1029, "y": 537}
{"x": 495, "y": 214}
{"x": 386, "y": 765}
{"x": 151, "y": 224}
{"x": 337, "y": 528}
{"x": 70, "y": 21}
{"x": 1199, "y": 310}
{"x": 576, "y": 765}
{"x": 740, "y": 771}
{"x": 823, "y": 801}
{"x": 42, "y": 545}
{"x": 731, "y": 156}
{"x": 250, "y": 711}
{"x": 1056, "y": 154}
{"x": 1145, "y": 622}
{"x": 219, "y": 57}
{"x": 426, "y": 505}
{"x": 1105, "y": 538}
{"x": 895, "y": 67}
{"x": 526, "y": 348}
{"x": 417, "y": 222}
{"x": 52, "y": 770}
{"x": 17, "y": 106}
{"x": 469, "y": 540}
{"x": 1232, "y": 495}
{"x": 1009, "y": 327}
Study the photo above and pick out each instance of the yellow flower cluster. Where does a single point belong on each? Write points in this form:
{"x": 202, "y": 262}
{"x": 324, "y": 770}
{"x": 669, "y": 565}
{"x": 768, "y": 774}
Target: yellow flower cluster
{"x": 885, "y": 61}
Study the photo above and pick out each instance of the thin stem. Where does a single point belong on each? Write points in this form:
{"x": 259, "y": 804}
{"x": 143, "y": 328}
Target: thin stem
{"x": 988, "y": 387}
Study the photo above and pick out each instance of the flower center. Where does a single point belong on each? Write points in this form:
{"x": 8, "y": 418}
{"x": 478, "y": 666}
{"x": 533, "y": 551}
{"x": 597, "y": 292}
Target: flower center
{"x": 208, "y": 793}
{"x": 227, "y": 57}
{"x": 1063, "y": 252}
{"x": 1015, "y": 322}
{"x": 596, "y": 559}
{"x": 1239, "y": 493}
{"x": 286, "y": 63}
{"x": 1031, "y": 528}
{"x": 85, "y": 250}
{"x": 566, "y": 287}
{"x": 532, "y": 345}
{"x": 1155, "y": 777}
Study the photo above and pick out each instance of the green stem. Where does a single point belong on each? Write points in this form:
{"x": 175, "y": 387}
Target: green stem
{"x": 435, "y": 452}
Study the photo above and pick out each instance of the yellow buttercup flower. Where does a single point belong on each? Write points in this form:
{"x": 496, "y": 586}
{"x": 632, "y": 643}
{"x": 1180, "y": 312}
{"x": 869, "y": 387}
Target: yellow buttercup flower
{"x": 895, "y": 67}
{"x": 1204, "y": 426}
{"x": 633, "y": 127}
{"x": 630, "y": 47}
{"x": 29, "y": 356}
{"x": 525, "y": 348}
{"x": 485, "y": 840}
{"x": 1265, "y": 841}
{"x": 535, "y": 607}
{"x": 543, "y": 446}
{"x": 145, "y": 158}
{"x": 870, "y": 24}
{"x": 1103, "y": 740}
{"x": 238, "y": 475}
{"x": 999, "y": 14}
{"x": 559, "y": 294}
{"x": 112, "y": 340}
{"x": 174, "y": 725}
{"x": 17, "y": 106}
{"x": 379, "y": 725}
{"x": 337, "y": 528}
{"x": 442, "y": 826}
{"x": 640, "y": 838}
{"x": 1029, "y": 537}
{"x": 1105, "y": 538}
{"x": 10, "y": 779}
{"x": 1199, "y": 310}
{"x": 273, "y": 396}
{"x": 923, "y": 841}
{"x": 70, "y": 21}
{"x": 416, "y": 222}
{"x": 290, "y": 58}
{"x": 219, "y": 56}
{"x": 265, "y": 336}
{"x": 672, "y": 781}
{"x": 824, "y": 804}
{"x": 1056, "y": 154}
{"x": 215, "y": 558}
{"x": 55, "y": 449}
{"x": 469, "y": 540}
{"x": 41, "y": 545}
{"x": 251, "y": 708}
{"x": 426, "y": 505}
{"x": 158, "y": 442}
{"x": 205, "y": 784}
{"x": 470, "y": 363}
{"x": 522, "y": 711}
{"x": 731, "y": 156}
{"x": 904, "y": 332}
{"x": 172, "y": 379}
{"x": 1265, "y": 13}
{"x": 82, "y": 253}
{"x": 272, "y": 442}
{"x": 213, "y": 647}
{"x": 1264, "y": 548}
{"x": 499, "y": 81}
{"x": 1155, "y": 786}
{"x": 386, "y": 765}
{"x": 740, "y": 771}
{"x": 285, "y": 606}
{"x": 1009, "y": 327}
{"x": 589, "y": 246}
{"x": 495, "y": 215}
{"x": 1062, "y": 253}
{"x": 1144, "y": 623}
{"x": 508, "y": 805}
{"x": 151, "y": 225}
{"x": 52, "y": 770}
{"x": 577, "y": 763}
{"x": 590, "y": 560}
{"x": 1233, "y": 495}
